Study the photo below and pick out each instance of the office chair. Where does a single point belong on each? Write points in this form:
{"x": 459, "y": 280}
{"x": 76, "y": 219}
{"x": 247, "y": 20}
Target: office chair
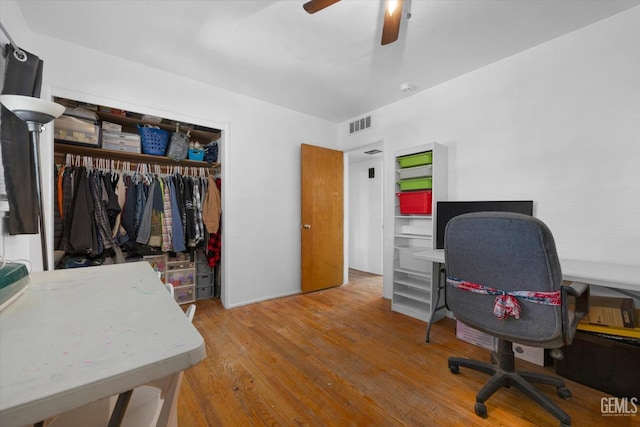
{"x": 504, "y": 279}
{"x": 153, "y": 405}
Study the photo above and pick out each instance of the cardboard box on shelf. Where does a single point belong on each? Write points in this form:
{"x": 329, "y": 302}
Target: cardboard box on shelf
{"x": 611, "y": 311}
{"x": 613, "y": 330}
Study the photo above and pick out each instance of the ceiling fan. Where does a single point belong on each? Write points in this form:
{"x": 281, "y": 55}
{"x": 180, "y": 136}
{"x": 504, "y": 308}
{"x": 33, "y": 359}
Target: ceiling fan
{"x": 392, "y": 16}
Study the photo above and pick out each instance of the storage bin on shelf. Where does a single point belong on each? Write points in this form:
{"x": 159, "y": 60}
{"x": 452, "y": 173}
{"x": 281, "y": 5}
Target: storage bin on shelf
{"x": 415, "y": 202}
{"x": 415, "y": 172}
{"x": 204, "y": 292}
{"x": 174, "y": 264}
{"x": 418, "y": 159}
{"x": 154, "y": 140}
{"x": 185, "y": 294}
{"x": 121, "y": 141}
{"x": 76, "y": 131}
{"x": 196, "y": 154}
{"x": 180, "y": 277}
{"x": 424, "y": 183}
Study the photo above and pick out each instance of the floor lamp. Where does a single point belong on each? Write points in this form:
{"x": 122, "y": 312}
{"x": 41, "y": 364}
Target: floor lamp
{"x": 35, "y": 112}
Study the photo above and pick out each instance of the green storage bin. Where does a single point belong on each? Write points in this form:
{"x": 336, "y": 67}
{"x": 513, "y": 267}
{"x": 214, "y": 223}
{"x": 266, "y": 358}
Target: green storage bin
{"x": 416, "y": 184}
{"x": 418, "y": 159}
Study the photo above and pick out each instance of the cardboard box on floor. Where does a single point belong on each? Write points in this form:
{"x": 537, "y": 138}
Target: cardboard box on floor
{"x": 611, "y": 311}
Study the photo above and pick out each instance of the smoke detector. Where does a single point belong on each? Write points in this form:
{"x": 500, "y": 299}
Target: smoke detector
{"x": 406, "y": 87}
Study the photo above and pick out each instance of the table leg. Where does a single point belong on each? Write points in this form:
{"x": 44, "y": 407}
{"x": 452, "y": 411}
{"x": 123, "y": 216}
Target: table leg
{"x": 439, "y": 288}
{"x": 121, "y": 406}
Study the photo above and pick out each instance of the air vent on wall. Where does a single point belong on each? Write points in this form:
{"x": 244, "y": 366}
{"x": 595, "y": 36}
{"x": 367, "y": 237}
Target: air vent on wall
{"x": 360, "y": 124}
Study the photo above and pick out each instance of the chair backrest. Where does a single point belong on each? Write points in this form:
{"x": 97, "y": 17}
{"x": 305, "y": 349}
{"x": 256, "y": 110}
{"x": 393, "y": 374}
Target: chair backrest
{"x": 507, "y": 252}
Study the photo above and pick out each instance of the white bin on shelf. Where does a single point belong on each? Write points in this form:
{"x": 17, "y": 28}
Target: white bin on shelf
{"x": 416, "y": 172}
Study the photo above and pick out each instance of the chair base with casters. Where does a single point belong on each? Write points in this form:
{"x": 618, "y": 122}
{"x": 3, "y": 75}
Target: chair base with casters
{"x": 503, "y": 374}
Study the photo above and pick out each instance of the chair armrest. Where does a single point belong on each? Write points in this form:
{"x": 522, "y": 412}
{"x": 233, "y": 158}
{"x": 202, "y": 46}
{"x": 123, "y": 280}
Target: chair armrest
{"x": 581, "y": 293}
{"x": 575, "y": 288}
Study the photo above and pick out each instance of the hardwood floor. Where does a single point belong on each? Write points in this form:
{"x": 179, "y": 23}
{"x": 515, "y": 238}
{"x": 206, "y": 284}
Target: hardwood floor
{"x": 341, "y": 357}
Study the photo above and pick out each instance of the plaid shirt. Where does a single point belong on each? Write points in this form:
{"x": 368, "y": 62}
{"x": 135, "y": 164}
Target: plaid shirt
{"x": 167, "y": 218}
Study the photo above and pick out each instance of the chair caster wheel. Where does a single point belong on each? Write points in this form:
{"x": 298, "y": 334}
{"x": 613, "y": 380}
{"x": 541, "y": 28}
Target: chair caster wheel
{"x": 564, "y": 393}
{"x": 481, "y": 409}
{"x": 454, "y": 369}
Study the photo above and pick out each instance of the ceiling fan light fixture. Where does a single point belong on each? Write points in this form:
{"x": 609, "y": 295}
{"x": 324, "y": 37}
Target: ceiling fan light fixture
{"x": 392, "y": 5}
{"x": 391, "y": 24}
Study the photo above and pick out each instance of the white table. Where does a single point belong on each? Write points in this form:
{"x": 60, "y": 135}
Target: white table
{"x": 78, "y": 335}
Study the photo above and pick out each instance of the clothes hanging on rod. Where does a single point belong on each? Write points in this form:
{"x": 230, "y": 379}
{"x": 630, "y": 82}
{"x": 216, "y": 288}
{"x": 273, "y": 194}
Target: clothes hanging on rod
{"x": 214, "y": 243}
{"x": 104, "y": 206}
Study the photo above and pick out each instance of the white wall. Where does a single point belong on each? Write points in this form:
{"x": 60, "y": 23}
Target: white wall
{"x": 559, "y": 124}
{"x": 260, "y": 153}
{"x": 365, "y": 216}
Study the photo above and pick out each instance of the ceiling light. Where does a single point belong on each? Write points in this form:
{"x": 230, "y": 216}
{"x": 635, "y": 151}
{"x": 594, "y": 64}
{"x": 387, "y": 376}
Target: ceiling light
{"x": 392, "y": 5}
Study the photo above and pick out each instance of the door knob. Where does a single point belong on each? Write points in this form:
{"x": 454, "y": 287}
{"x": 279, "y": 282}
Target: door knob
{"x": 306, "y": 226}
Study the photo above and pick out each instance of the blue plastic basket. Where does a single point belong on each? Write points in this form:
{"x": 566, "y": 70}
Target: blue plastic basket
{"x": 154, "y": 141}
{"x": 196, "y": 154}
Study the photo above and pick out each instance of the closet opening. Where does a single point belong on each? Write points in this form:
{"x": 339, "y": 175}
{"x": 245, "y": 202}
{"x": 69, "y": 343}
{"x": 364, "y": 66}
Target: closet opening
{"x": 133, "y": 187}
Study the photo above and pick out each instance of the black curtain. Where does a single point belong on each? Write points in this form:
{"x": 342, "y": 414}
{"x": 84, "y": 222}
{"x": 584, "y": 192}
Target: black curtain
{"x": 21, "y": 78}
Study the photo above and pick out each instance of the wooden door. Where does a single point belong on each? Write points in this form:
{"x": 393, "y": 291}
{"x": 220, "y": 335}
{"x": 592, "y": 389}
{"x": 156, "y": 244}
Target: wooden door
{"x": 322, "y": 217}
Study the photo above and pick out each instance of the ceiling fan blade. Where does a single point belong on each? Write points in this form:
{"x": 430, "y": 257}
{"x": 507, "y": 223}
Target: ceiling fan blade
{"x": 391, "y": 26}
{"x": 314, "y": 6}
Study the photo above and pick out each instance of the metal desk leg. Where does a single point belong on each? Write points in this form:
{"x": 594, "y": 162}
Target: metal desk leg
{"x": 121, "y": 406}
{"x": 439, "y": 287}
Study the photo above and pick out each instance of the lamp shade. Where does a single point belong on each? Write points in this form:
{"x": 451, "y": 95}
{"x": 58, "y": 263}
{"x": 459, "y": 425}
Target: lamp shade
{"x": 30, "y": 109}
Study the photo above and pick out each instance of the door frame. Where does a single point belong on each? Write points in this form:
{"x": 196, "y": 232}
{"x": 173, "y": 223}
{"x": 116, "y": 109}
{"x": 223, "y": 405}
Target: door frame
{"x": 347, "y": 159}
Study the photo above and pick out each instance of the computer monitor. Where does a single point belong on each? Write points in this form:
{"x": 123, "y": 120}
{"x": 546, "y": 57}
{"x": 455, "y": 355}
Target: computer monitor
{"x": 447, "y": 210}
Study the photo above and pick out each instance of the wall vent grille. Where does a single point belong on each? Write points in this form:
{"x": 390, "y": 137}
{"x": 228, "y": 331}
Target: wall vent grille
{"x": 360, "y": 125}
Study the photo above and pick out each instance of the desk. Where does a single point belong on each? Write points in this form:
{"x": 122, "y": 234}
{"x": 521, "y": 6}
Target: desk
{"x": 621, "y": 278}
{"x": 78, "y": 335}
{"x": 613, "y": 276}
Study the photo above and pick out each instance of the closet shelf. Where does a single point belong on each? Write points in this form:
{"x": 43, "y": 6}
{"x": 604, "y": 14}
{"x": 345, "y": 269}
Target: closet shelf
{"x": 131, "y": 122}
{"x": 60, "y": 149}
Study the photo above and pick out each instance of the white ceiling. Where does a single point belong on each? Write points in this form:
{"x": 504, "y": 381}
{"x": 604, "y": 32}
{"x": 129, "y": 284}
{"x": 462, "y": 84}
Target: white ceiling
{"x": 329, "y": 64}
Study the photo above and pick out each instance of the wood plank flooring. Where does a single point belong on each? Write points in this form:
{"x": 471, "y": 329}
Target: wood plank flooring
{"x": 341, "y": 357}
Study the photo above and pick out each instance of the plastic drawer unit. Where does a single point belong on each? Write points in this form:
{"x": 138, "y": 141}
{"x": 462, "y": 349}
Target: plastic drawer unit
{"x": 76, "y": 131}
{"x": 417, "y": 159}
{"x": 180, "y": 264}
{"x": 416, "y": 184}
{"x": 120, "y": 141}
{"x": 415, "y": 172}
{"x": 415, "y": 202}
{"x": 181, "y": 277}
{"x": 185, "y": 294}
{"x": 204, "y": 292}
